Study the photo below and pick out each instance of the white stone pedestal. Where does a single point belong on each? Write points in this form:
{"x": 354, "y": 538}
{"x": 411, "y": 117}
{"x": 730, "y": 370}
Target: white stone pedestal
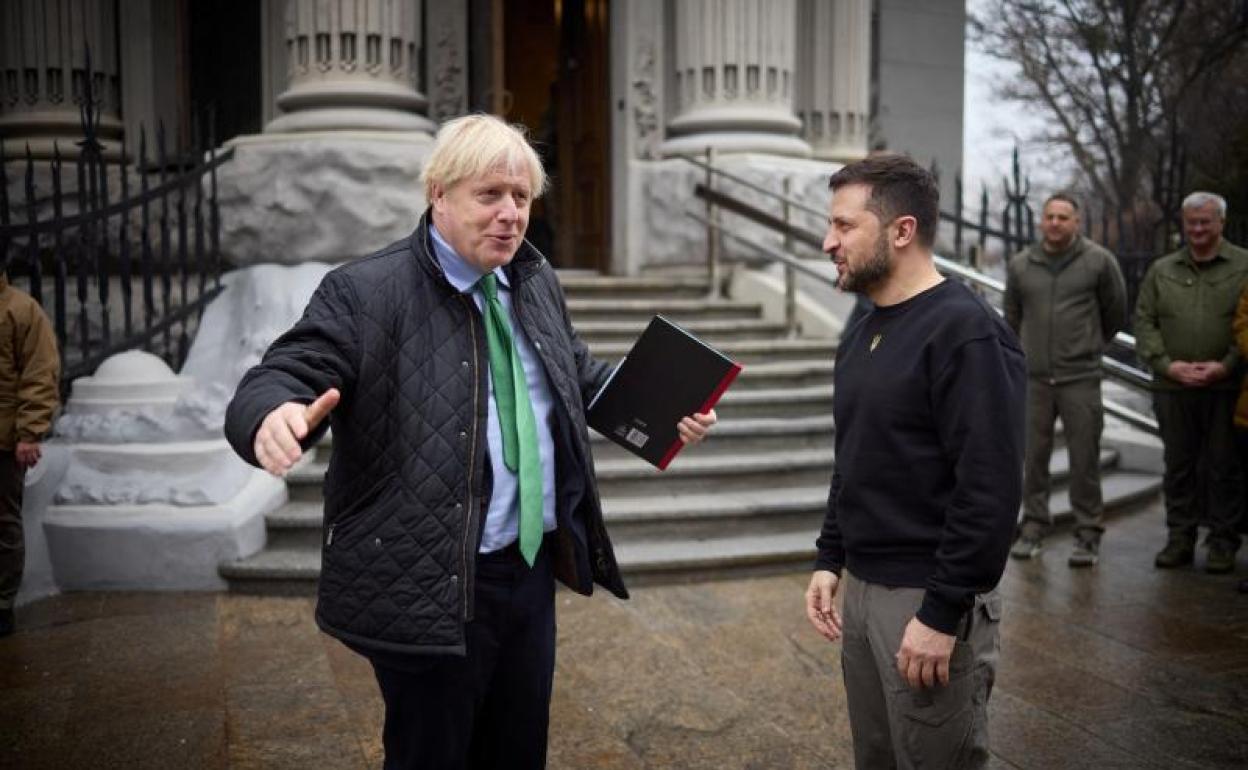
{"x": 148, "y": 495}
{"x": 158, "y": 546}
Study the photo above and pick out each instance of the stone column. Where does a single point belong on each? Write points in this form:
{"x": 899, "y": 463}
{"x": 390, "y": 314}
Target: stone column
{"x": 733, "y": 63}
{"x": 834, "y": 73}
{"x": 43, "y": 74}
{"x": 447, "y": 57}
{"x": 353, "y": 64}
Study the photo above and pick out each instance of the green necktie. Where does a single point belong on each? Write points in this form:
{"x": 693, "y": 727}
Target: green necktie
{"x": 515, "y": 417}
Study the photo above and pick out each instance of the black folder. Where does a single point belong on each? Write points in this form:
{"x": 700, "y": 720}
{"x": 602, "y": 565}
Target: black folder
{"x": 669, "y": 374}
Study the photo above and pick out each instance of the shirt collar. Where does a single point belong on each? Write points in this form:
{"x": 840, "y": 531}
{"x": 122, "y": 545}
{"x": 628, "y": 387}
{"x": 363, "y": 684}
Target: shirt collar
{"x": 462, "y": 275}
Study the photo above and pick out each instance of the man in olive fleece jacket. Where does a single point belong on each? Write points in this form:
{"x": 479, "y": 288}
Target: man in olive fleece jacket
{"x": 1066, "y": 299}
{"x": 1183, "y": 332}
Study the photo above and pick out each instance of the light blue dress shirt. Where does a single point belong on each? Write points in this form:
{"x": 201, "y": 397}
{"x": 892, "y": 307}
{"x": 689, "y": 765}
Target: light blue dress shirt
{"x": 502, "y": 518}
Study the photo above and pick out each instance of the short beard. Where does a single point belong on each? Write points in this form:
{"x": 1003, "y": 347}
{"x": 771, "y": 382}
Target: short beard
{"x": 871, "y": 273}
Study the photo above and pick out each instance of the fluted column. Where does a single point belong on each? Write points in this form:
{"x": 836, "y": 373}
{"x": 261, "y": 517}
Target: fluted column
{"x": 353, "y": 64}
{"x": 733, "y": 81}
{"x": 834, "y": 74}
{"x": 43, "y": 74}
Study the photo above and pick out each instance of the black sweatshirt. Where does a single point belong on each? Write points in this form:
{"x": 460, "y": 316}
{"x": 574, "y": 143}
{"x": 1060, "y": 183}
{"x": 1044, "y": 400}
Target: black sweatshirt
{"x": 929, "y": 408}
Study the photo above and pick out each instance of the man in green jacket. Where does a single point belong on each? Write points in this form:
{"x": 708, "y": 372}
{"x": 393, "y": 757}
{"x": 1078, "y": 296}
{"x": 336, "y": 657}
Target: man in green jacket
{"x": 1183, "y": 332}
{"x": 1066, "y": 299}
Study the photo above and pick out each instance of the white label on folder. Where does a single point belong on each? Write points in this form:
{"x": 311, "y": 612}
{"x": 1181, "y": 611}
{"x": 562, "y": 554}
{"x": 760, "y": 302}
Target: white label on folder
{"x": 636, "y": 438}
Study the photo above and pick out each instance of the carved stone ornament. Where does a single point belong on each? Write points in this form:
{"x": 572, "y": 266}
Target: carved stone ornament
{"x": 645, "y": 103}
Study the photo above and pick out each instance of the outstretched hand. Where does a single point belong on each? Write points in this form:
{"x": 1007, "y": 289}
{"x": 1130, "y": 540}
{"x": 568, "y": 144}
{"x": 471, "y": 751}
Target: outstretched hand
{"x": 277, "y": 444}
{"x": 693, "y": 429}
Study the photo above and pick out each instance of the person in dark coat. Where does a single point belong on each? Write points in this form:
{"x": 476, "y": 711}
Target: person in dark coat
{"x": 461, "y": 483}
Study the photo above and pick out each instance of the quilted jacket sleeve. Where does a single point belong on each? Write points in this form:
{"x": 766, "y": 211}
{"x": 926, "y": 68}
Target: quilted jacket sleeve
{"x": 590, "y": 372}
{"x": 319, "y": 352}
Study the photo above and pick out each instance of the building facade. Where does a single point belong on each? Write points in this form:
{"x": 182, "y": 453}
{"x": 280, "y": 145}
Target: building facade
{"x": 318, "y": 91}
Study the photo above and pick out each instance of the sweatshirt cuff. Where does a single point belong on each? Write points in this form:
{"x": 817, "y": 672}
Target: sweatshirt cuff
{"x": 939, "y": 614}
{"x": 829, "y": 563}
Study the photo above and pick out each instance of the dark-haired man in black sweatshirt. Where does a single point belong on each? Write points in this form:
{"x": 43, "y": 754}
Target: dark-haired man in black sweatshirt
{"x": 929, "y": 407}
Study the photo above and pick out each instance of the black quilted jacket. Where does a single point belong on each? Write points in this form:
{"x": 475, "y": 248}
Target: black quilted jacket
{"x": 408, "y": 482}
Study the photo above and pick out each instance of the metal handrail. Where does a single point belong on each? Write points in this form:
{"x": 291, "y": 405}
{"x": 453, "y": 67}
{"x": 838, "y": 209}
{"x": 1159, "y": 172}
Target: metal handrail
{"x": 947, "y": 266}
{"x": 1125, "y": 373}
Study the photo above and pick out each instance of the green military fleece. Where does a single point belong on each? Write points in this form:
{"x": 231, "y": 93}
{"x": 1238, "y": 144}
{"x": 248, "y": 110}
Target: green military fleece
{"x": 1076, "y": 302}
{"x": 1185, "y": 309}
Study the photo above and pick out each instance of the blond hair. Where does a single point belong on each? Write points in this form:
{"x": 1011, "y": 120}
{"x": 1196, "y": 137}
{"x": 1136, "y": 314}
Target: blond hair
{"x": 474, "y": 145}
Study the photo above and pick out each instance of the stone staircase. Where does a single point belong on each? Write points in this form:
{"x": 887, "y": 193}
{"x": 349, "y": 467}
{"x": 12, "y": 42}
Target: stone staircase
{"x": 750, "y": 499}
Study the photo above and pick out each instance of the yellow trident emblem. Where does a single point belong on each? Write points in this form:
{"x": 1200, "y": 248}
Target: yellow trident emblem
{"x": 875, "y": 341}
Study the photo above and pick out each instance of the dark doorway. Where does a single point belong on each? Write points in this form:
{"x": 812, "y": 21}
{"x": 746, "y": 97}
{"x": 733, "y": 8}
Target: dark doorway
{"x": 225, "y": 60}
{"x": 554, "y": 73}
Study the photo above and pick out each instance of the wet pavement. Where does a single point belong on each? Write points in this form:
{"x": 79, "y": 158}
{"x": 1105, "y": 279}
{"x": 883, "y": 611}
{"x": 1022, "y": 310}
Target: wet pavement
{"x": 1121, "y": 666}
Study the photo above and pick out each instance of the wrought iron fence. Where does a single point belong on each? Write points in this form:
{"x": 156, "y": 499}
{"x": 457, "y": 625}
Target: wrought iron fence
{"x": 81, "y": 221}
{"x": 1009, "y": 224}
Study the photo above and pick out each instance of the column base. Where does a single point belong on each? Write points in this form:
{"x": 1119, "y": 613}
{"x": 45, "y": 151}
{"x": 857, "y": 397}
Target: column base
{"x": 736, "y": 142}
{"x": 351, "y": 119}
{"x": 840, "y": 152}
{"x": 319, "y": 197}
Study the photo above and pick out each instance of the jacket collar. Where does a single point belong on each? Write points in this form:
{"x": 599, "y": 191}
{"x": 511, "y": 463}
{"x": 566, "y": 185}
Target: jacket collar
{"x": 1224, "y": 253}
{"x": 527, "y": 261}
{"x": 1037, "y": 254}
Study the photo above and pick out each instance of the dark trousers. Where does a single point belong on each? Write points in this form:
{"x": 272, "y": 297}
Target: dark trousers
{"x": 1083, "y": 417}
{"x": 490, "y": 708}
{"x": 1198, "y": 433}
{"x": 12, "y": 541}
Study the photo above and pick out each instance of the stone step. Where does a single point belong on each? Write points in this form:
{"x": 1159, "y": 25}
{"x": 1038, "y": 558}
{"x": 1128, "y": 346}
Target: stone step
{"x": 791, "y": 403}
{"x": 273, "y": 572}
{"x": 798, "y": 373}
{"x": 743, "y": 351}
{"x": 588, "y": 285}
{"x": 731, "y": 554}
{"x": 699, "y": 515}
{"x": 296, "y": 525}
{"x": 735, "y": 436}
{"x": 692, "y": 473}
{"x": 714, "y": 332}
{"x": 637, "y": 496}
{"x": 716, "y": 536}
{"x": 680, "y": 310}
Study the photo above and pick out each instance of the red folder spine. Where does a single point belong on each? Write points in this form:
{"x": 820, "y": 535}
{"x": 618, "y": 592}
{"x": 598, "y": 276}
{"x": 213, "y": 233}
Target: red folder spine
{"x": 711, "y": 400}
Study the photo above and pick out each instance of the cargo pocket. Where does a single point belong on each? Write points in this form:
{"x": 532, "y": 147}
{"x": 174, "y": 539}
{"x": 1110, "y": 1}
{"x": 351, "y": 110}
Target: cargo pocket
{"x": 938, "y": 722}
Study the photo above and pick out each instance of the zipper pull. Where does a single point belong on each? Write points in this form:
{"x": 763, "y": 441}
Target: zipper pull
{"x": 329, "y": 539}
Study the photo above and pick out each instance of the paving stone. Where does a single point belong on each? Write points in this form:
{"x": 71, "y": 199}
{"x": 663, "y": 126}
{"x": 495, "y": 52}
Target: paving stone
{"x": 1121, "y": 666}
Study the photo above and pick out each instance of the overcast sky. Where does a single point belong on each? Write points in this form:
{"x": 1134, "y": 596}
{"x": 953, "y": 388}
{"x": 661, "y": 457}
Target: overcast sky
{"x": 992, "y": 127}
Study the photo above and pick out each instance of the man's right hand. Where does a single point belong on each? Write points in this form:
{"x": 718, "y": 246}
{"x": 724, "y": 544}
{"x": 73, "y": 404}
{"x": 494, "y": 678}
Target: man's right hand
{"x": 277, "y": 444}
{"x": 820, "y": 607}
{"x": 1186, "y": 373}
